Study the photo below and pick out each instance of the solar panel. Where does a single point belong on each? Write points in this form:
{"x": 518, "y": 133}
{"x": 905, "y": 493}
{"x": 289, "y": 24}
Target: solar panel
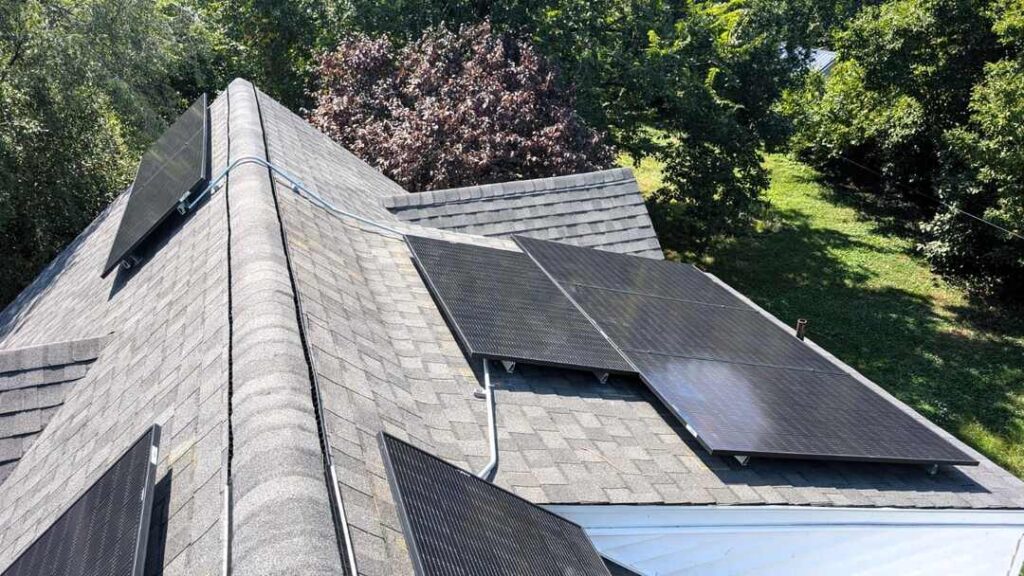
{"x": 105, "y": 531}
{"x": 456, "y": 524}
{"x": 740, "y": 382}
{"x": 502, "y": 306}
{"x": 176, "y": 164}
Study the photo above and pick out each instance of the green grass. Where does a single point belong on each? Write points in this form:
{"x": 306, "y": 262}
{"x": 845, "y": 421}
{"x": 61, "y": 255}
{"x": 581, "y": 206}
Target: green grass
{"x": 872, "y": 301}
{"x": 647, "y": 172}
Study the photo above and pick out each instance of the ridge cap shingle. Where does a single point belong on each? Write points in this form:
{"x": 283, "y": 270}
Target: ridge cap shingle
{"x": 281, "y": 508}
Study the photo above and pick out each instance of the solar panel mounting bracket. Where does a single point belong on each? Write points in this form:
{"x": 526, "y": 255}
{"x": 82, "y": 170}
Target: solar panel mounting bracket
{"x": 742, "y": 459}
{"x": 510, "y": 365}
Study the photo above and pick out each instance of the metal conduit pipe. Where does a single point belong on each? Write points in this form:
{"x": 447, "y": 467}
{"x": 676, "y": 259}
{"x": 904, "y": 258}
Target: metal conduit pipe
{"x": 492, "y": 425}
{"x": 187, "y": 202}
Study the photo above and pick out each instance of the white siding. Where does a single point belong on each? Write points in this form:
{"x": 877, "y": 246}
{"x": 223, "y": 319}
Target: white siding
{"x": 792, "y": 541}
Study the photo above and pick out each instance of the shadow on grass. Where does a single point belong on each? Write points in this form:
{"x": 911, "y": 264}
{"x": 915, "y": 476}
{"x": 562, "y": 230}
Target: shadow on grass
{"x": 955, "y": 376}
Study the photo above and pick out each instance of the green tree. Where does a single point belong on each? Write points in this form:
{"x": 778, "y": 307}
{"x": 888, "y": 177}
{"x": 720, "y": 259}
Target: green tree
{"x": 84, "y": 87}
{"x": 926, "y": 100}
{"x": 675, "y": 80}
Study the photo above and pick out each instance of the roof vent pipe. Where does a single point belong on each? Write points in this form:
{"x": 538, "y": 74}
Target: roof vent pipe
{"x": 801, "y": 328}
{"x": 492, "y": 426}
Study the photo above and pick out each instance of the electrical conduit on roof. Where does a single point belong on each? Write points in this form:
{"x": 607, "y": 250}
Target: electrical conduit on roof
{"x": 492, "y": 425}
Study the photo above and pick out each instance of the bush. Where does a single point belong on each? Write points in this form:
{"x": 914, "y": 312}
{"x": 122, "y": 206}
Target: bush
{"x": 982, "y": 174}
{"x": 453, "y": 109}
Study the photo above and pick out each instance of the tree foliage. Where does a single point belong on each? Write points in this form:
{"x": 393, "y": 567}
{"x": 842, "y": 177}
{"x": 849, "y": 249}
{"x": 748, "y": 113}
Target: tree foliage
{"x": 926, "y": 98}
{"x": 84, "y": 86}
{"x": 453, "y": 109}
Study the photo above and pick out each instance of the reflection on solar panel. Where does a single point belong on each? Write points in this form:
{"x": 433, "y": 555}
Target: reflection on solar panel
{"x": 105, "y": 531}
{"x": 502, "y": 306}
{"x": 456, "y": 524}
{"x": 740, "y": 382}
{"x": 176, "y": 164}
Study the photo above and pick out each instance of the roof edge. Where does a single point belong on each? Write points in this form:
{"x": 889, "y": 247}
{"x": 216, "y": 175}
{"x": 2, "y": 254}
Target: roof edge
{"x": 51, "y": 354}
{"x": 515, "y": 187}
{"x": 281, "y": 516}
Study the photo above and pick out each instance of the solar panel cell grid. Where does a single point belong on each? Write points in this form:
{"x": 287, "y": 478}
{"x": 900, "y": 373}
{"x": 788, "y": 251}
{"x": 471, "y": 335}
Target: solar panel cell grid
{"x": 657, "y": 325}
{"x": 740, "y": 382}
{"x": 178, "y": 162}
{"x": 456, "y": 524}
{"x": 503, "y": 307}
{"x": 100, "y": 535}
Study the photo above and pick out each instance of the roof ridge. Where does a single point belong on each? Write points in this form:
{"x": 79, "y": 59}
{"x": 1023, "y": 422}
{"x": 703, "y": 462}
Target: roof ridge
{"x": 280, "y": 505}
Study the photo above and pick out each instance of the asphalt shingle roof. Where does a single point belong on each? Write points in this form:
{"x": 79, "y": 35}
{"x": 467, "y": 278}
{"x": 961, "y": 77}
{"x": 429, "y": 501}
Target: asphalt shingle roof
{"x": 260, "y": 297}
{"x": 598, "y": 209}
{"x": 33, "y": 383}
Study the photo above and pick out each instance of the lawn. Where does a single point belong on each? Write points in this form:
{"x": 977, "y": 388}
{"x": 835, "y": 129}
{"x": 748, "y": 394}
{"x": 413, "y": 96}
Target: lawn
{"x": 872, "y": 301}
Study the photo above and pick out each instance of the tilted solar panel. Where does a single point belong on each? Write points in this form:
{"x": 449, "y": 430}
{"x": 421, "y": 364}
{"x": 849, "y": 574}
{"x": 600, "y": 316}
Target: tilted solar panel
{"x": 503, "y": 307}
{"x": 105, "y": 531}
{"x": 456, "y": 524}
{"x": 742, "y": 384}
{"x": 176, "y": 164}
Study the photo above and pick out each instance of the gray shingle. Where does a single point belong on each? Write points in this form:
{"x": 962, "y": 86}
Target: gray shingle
{"x": 576, "y": 209}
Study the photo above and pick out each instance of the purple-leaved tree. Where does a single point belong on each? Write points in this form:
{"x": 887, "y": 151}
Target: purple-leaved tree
{"x": 453, "y": 109}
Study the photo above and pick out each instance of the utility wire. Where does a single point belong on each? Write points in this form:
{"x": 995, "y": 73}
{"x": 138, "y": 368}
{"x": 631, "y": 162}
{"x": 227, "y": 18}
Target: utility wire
{"x": 936, "y": 200}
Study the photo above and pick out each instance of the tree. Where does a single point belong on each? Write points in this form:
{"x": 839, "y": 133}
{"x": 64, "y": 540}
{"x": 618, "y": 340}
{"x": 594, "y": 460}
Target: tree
{"x": 84, "y": 87}
{"x": 926, "y": 100}
{"x": 453, "y": 109}
{"x": 982, "y": 169}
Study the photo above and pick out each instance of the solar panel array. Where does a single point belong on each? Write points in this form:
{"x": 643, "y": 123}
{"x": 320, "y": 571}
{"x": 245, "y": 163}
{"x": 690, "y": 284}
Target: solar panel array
{"x": 502, "y": 306}
{"x": 740, "y": 382}
{"x": 176, "y": 164}
{"x": 105, "y": 531}
{"x": 456, "y": 524}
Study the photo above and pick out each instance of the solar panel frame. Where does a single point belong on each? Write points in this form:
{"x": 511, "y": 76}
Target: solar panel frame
{"x": 72, "y": 546}
{"x": 456, "y": 524}
{"x": 501, "y": 306}
{"x": 741, "y": 384}
{"x": 177, "y": 164}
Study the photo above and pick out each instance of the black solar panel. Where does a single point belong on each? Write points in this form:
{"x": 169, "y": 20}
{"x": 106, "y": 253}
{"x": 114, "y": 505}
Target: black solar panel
{"x": 456, "y": 524}
{"x": 104, "y": 532}
{"x": 740, "y": 382}
{"x": 176, "y": 164}
{"x": 502, "y": 306}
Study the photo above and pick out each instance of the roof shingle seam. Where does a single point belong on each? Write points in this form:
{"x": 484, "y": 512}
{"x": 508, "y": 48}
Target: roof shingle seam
{"x": 539, "y": 211}
{"x": 568, "y": 198}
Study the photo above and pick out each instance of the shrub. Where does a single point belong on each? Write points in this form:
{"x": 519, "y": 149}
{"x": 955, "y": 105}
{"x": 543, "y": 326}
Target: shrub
{"x": 981, "y": 174}
{"x": 453, "y": 109}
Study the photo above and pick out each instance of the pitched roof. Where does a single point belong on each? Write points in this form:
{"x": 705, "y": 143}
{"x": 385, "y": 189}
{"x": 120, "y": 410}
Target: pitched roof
{"x": 261, "y": 296}
{"x": 822, "y": 60}
{"x": 33, "y": 384}
{"x": 598, "y": 209}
